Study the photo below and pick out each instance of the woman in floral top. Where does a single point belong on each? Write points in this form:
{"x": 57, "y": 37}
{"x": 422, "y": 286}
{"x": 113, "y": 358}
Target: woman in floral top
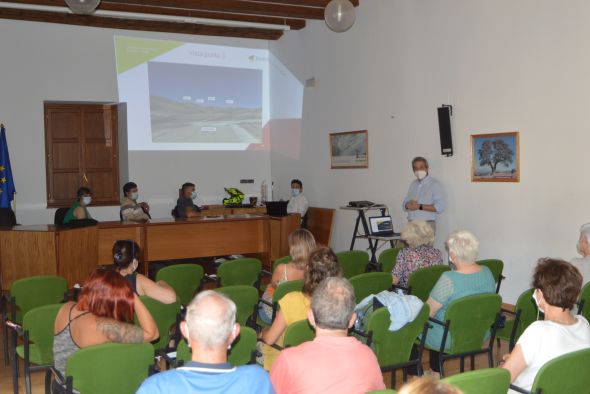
{"x": 419, "y": 254}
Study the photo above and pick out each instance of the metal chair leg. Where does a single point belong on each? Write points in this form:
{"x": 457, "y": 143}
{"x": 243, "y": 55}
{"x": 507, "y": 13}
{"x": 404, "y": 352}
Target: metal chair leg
{"x": 14, "y": 362}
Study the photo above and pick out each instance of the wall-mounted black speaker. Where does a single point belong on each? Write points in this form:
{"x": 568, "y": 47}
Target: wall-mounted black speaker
{"x": 444, "y": 126}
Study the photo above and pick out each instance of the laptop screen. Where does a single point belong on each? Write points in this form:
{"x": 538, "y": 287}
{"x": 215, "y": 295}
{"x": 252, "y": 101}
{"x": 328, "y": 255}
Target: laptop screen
{"x": 380, "y": 224}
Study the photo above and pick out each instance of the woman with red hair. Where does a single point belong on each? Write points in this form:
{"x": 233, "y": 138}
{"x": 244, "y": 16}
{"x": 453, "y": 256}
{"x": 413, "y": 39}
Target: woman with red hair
{"x": 103, "y": 313}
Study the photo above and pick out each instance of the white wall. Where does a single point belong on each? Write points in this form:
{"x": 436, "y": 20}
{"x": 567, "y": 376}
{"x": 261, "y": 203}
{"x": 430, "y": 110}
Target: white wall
{"x": 41, "y": 61}
{"x": 504, "y": 66}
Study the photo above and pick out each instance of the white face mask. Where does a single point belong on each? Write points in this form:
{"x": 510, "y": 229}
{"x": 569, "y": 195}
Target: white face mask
{"x": 537, "y": 302}
{"x": 420, "y": 174}
{"x": 86, "y": 200}
{"x": 134, "y": 196}
{"x": 295, "y": 192}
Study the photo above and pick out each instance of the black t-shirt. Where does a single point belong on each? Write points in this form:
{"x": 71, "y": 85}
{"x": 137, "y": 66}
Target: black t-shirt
{"x": 181, "y": 205}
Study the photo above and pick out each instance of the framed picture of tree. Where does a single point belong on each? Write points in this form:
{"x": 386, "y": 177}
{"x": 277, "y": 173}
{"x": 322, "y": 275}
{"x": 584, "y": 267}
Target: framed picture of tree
{"x": 495, "y": 157}
{"x": 349, "y": 149}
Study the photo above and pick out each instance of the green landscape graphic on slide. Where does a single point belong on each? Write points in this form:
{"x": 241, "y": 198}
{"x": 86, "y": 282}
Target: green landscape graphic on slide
{"x": 131, "y": 52}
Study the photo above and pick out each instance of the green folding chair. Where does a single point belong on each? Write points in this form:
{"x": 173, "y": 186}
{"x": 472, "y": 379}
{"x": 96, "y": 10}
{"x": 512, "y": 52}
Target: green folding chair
{"x": 279, "y": 261}
{"x": 584, "y": 305}
{"x": 112, "y": 368}
{"x": 422, "y": 281}
{"x": 564, "y": 374}
{"x": 467, "y": 323}
{"x": 297, "y": 333}
{"x": 244, "y": 271}
{"x": 37, "y": 348}
{"x": 242, "y": 351}
{"x": 185, "y": 279}
{"x": 483, "y": 381}
{"x": 28, "y": 293}
{"x": 394, "y": 348}
{"x": 246, "y": 300}
{"x": 496, "y": 266}
{"x": 353, "y": 262}
{"x": 165, "y": 316}
{"x": 370, "y": 283}
{"x": 526, "y": 312}
{"x": 387, "y": 259}
{"x": 281, "y": 290}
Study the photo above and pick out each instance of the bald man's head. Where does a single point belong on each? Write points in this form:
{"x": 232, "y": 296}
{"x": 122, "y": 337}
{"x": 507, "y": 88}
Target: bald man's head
{"x": 211, "y": 320}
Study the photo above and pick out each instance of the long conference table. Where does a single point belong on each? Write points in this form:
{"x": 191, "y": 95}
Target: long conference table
{"x": 74, "y": 253}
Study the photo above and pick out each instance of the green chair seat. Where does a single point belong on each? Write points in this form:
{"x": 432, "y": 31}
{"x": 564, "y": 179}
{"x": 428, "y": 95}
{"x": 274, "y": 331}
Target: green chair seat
{"x": 496, "y": 266}
{"x": 279, "y": 261}
{"x": 242, "y": 351}
{"x": 352, "y": 262}
{"x": 564, "y": 374}
{"x": 185, "y": 279}
{"x": 585, "y": 300}
{"x": 298, "y": 332}
{"x": 165, "y": 316}
{"x": 245, "y": 298}
{"x": 483, "y": 381}
{"x": 244, "y": 271}
{"x": 526, "y": 313}
{"x": 422, "y": 281}
{"x": 370, "y": 283}
{"x": 36, "y": 355}
{"x": 388, "y": 258}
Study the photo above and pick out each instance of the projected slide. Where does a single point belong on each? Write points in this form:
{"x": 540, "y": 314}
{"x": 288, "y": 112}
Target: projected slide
{"x": 193, "y": 103}
{"x": 188, "y": 96}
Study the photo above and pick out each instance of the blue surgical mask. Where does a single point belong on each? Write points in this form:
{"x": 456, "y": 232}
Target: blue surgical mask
{"x": 134, "y": 196}
{"x": 295, "y": 192}
{"x": 193, "y": 195}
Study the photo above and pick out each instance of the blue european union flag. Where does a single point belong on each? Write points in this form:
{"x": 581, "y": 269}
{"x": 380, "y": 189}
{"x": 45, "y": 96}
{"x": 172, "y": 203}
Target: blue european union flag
{"x": 7, "y": 189}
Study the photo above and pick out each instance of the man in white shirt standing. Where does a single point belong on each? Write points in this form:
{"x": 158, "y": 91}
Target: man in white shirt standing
{"x": 297, "y": 203}
{"x": 425, "y": 198}
{"x": 583, "y": 263}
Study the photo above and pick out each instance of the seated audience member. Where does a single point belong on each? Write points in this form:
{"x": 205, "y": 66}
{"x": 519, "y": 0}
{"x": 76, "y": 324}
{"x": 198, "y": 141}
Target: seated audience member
{"x": 583, "y": 263}
{"x": 294, "y": 306}
{"x": 467, "y": 278}
{"x": 126, "y": 255}
{"x": 103, "y": 313}
{"x": 210, "y": 328}
{"x": 78, "y": 210}
{"x": 557, "y": 285}
{"x": 301, "y": 244}
{"x": 419, "y": 254}
{"x": 428, "y": 385}
{"x": 131, "y": 210}
{"x": 185, "y": 206}
{"x": 297, "y": 203}
{"x": 333, "y": 362}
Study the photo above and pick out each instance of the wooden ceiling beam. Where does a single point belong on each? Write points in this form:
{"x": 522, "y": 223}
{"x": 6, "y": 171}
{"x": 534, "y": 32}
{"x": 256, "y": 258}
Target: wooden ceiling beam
{"x": 235, "y": 6}
{"x": 134, "y": 24}
{"x": 295, "y": 24}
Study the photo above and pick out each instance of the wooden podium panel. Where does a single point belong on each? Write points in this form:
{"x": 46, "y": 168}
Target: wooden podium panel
{"x": 280, "y": 229}
{"x": 169, "y": 240}
{"x": 26, "y": 252}
{"x": 110, "y": 232}
{"x": 78, "y": 253}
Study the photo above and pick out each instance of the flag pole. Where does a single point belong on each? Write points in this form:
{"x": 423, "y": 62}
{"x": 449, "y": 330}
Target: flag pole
{"x": 14, "y": 202}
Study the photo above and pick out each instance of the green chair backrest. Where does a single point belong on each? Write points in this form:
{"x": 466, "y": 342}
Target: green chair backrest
{"x": 298, "y": 332}
{"x": 386, "y": 391}
{"x": 394, "y": 347}
{"x": 285, "y": 288}
{"x": 37, "y": 291}
{"x": 39, "y": 323}
{"x": 112, "y": 368}
{"x": 279, "y": 261}
{"x": 352, "y": 262}
{"x": 471, "y": 318}
{"x": 164, "y": 316}
{"x": 246, "y": 299}
{"x": 495, "y": 265}
{"x": 244, "y": 271}
{"x": 585, "y": 296}
{"x": 422, "y": 281}
{"x": 240, "y": 352}
{"x": 185, "y": 279}
{"x": 564, "y": 374}
{"x": 370, "y": 283}
{"x": 388, "y": 258}
{"x": 483, "y": 381}
{"x": 528, "y": 312}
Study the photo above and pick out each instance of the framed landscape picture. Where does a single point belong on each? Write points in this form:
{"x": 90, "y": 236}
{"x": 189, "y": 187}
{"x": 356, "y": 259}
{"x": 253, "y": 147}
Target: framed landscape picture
{"x": 495, "y": 157}
{"x": 349, "y": 149}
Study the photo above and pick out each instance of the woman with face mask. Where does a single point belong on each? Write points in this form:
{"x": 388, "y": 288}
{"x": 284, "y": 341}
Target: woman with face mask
{"x": 126, "y": 256}
{"x": 556, "y": 284}
{"x": 78, "y": 210}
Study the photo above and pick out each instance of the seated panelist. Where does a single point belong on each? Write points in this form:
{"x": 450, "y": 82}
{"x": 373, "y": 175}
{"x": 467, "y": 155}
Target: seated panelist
{"x": 131, "y": 210}
{"x": 185, "y": 205}
{"x": 78, "y": 210}
{"x": 297, "y": 203}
